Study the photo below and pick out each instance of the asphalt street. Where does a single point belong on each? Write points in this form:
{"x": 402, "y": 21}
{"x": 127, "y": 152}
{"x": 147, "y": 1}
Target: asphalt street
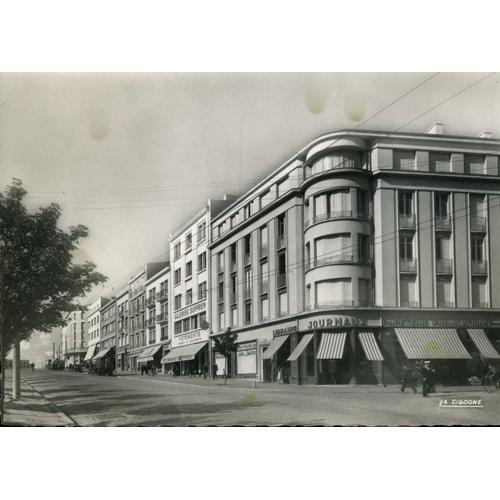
{"x": 87, "y": 400}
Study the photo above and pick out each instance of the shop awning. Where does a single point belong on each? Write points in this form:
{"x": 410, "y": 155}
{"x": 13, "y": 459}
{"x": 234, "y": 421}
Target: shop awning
{"x": 483, "y": 344}
{"x": 90, "y": 353}
{"x": 431, "y": 343}
{"x": 299, "y": 349}
{"x": 370, "y": 346}
{"x": 184, "y": 353}
{"x": 274, "y": 346}
{"x": 148, "y": 354}
{"x": 332, "y": 345}
{"x": 105, "y": 352}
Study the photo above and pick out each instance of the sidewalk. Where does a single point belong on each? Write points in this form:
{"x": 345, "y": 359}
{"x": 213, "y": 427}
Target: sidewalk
{"x": 32, "y": 410}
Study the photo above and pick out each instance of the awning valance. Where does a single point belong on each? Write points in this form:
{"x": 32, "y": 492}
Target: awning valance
{"x": 299, "y": 349}
{"x": 105, "y": 352}
{"x": 431, "y": 343}
{"x": 483, "y": 344}
{"x": 274, "y": 346}
{"x": 90, "y": 353}
{"x": 148, "y": 354}
{"x": 370, "y": 346}
{"x": 184, "y": 353}
{"x": 332, "y": 345}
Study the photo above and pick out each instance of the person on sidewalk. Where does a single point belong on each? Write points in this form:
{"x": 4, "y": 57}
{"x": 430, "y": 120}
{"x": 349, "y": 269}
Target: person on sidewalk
{"x": 427, "y": 378}
{"x": 408, "y": 379}
{"x": 215, "y": 368}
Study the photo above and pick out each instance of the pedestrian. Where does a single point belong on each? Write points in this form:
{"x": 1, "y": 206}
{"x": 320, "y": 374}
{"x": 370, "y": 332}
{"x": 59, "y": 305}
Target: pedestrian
{"x": 205, "y": 371}
{"x": 426, "y": 378}
{"x": 215, "y": 368}
{"x": 280, "y": 375}
{"x": 408, "y": 379}
{"x": 142, "y": 369}
{"x": 32, "y": 367}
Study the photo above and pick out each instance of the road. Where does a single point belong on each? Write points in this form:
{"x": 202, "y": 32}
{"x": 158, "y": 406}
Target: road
{"x": 162, "y": 401}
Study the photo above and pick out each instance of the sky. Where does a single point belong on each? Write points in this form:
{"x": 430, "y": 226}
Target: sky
{"x": 132, "y": 156}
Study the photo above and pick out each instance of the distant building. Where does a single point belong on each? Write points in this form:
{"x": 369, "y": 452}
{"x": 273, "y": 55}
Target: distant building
{"x": 74, "y": 339}
{"x": 93, "y": 318}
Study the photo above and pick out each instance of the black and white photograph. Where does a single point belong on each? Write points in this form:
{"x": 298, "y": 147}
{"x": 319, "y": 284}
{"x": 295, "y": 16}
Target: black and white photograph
{"x": 250, "y": 249}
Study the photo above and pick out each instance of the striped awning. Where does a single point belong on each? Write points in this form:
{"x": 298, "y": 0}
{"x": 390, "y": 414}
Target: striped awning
{"x": 299, "y": 349}
{"x": 90, "y": 352}
{"x": 184, "y": 353}
{"x": 431, "y": 343}
{"x": 332, "y": 345}
{"x": 274, "y": 346}
{"x": 370, "y": 346}
{"x": 105, "y": 352}
{"x": 148, "y": 353}
{"x": 483, "y": 344}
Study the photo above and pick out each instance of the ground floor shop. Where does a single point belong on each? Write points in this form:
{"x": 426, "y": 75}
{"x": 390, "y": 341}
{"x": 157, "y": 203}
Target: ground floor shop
{"x": 187, "y": 360}
{"x": 368, "y": 347}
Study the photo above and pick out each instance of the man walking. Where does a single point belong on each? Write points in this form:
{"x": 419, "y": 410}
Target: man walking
{"x": 215, "y": 368}
{"x": 427, "y": 378}
{"x": 408, "y": 379}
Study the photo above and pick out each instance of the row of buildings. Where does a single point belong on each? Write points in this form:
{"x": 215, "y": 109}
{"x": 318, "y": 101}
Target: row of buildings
{"x": 361, "y": 252}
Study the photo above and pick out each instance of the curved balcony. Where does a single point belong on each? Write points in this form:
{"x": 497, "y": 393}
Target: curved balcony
{"x": 338, "y": 304}
{"x": 336, "y": 215}
{"x": 336, "y": 260}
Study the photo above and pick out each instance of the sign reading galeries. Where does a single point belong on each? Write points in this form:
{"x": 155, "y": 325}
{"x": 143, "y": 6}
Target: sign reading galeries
{"x": 190, "y": 310}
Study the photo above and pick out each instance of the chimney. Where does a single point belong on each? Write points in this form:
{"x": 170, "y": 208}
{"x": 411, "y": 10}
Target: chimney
{"x": 435, "y": 129}
{"x": 486, "y": 135}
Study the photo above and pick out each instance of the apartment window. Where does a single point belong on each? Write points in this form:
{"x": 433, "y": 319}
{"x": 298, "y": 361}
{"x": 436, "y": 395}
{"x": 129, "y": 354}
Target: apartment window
{"x": 234, "y": 316}
{"x": 202, "y": 320}
{"x": 177, "y": 250}
{"x": 202, "y": 231}
{"x": 283, "y": 303}
{"x": 233, "y": 289}
{"x": 247, "y": 211}
{"x": 364, "y": 292}
{"x": 477, "y": 208}
{"x": 335, "y": 248}
{"x": 177, "y": 276}
{"x": 264, "y": 308}
{"x": 281, "y": 230}
{"x": 477, "y": 248}
{"x": 186, "y": 325}
{"x": 265, "y": 198}
{"x": 443, "y": 247}
{"x": 283, "y": 186}
{"x": 406, "y": 246}
{"x": 189, "y": 269}
{"x": 333, "y": 292}
{"x": 439, "y": 162}
{"x": 220, "y": 291}
{"x": 444, "y": 294}
{"x": 407, "y": 291}
{"x": 202, "y": 290}
{"x": 248, "y": 313}
{"x": 189, "y": 297}
{"x": 441, "y": 204}
{"x": 163, "y": 333}
{"x": 405, "y": 203}
{"x": 248, "y": 283}
{"x": 178, "y": 301}
{"x": 363, "y": 247}
{"x": 233, "y": 256}
{"x": 404, "y": 160}
{"x": 220, "y": 232}
{"x": 264, "y": 277}
{"x": 220, "y": 262}
{"x": 232, "y": 221}
{"x": 338, "y": 159}
{"x": 362, "y": 200}
{"x": 189, "y": 241}
{"x": 281, "y": 269}
{"x": 222, "y": 323}
{"x": 194, "y": 322}
{"x": 478, "y": 290}
{"x": 247, "y": 247}
{"x": 264, "y": 240}
{"x": 202, "y": 261}
{"x": 474, "y": 164}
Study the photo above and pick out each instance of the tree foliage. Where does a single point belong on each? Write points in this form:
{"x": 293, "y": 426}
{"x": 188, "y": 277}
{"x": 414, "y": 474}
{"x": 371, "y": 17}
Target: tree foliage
{"x": 224, "y": 344}
{"x": 39, "y": 281}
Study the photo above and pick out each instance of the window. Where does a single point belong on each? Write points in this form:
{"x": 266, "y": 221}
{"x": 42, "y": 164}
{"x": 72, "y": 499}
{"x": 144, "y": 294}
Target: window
{"x": 339, "y": 202}
{"x": 442, "y": 247}
{"x": 474, "y": 164}
{"x": 338, "y": 159}
{"x": 248, "y": 313}
{"x": 283, "y": 186}
{"x": 194, "y": 322}
{"x": 265, "y": 198}
{"x": 407, "y": 291}
{"x": 405, "y": 203}
{"x": 247, "y": 246}
{"x": 362, "y": 199}
{"x": 202, "y": 290}
{"x": 202, "y": 231}
{"x": 189, "y": 297}
{"x": 441, "y": 205}
{"x": 189, "y": 241}
{"x": 478, "y": 289}
{"x": 264, "y": 308}
{"x": 363, "y": 247}
{"x": 178, "y": 301}
{"x": 264, "y": 235}
{"x": 220, "y": 232}
{"x": 281, "y": 269}
{"x": 439, "y": 162}
{"x": 186, "y": 325}
{"x": 477, "y": 208}
{"x": 163, "y": 333}
{"x": 177, "y": 250}
{"x": 404, "y": 160}
{"x": 189, "y": 269}
{"x": 335, "y": 248}
{"x": 233, "y": 256}
{"x": 234, "y": 295}
{"x": 177, "y": 276}
{"x": 220, "y": 291}
{"x": 444, "y": 292}
{"x": 234, "y": 316}
{"x": 203, "y": 320}
{"x": 247, "y": 211}
{"x": 477, "y": 248}
{"x": 281, "y": 230}
{"x": 202, "y": 261}
{"x": 220, "y": 262}
{"x": 232, "y": 221}
{"x": 406, "y": 246}
{"x": 248, "y": 283}
{"x": 264, "y": 277}
{"x": 222, "y": 324}
{"x": 364, "y": 292}
{"x": 333, "y": 292}
{"x": 283, "y": 303}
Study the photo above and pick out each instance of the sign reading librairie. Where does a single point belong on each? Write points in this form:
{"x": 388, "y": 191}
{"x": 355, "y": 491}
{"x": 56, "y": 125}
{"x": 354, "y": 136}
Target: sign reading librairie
{"x": 190, "y": 310}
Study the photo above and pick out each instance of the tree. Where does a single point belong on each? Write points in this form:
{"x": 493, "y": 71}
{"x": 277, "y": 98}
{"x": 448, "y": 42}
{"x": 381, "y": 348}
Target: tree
{"x": 225, "y": 344}
{"x": 39, "y": 281}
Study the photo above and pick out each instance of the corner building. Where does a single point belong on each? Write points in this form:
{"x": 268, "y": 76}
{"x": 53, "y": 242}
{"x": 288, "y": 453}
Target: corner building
{"x": 364, "y": 251}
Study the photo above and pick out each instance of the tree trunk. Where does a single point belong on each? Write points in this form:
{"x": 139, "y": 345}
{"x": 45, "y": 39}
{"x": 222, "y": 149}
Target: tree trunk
{"x": 225, "y": 368}
{"x": 16, "y": 370}
{"x": 2, "y": 378}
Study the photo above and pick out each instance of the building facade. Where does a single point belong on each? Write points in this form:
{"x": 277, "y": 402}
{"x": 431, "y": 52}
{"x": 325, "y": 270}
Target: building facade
{"x": 122, "y": 335}
{"x": 74, "y": 339}
{"x": 93, "y": 323}
{"x": 363, "y": 251}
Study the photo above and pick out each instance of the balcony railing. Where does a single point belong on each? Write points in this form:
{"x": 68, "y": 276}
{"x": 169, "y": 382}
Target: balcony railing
{"x": 281, "y": 280}
{"x": 333, "y": 304}
{"x": 151, "y": 301}
{"x": 446, "y": 304}
{"x": 162, "y": 295}
{"x": 264, "y": 286}
{"x": 479, "y": 267}
{"x": 407, "y": 221}
{"x": 150, "y": 322}
{"x": 443, "y": 223}
{"x": 478, "y": 224}
{"x": 444, "y": 266}
{"x": 338, "y": 214}
{"x": 337, "y": 259}
{"x": 407, "y": 265}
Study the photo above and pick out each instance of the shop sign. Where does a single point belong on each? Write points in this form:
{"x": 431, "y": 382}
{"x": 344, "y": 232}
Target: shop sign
{"x": 246, "y": 349}
{"x": 285, "y": 330}
{"x": 438, "y": 323}
{"x": 189, "y": 311}
{"x": 188, "y": 338}
{"x": 333, "y": 322}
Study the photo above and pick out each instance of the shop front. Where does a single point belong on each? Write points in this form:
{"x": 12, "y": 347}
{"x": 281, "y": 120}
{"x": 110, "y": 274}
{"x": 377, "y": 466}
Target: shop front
{"x": 104, "y": 361}
{"x": 189, "y": 355}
